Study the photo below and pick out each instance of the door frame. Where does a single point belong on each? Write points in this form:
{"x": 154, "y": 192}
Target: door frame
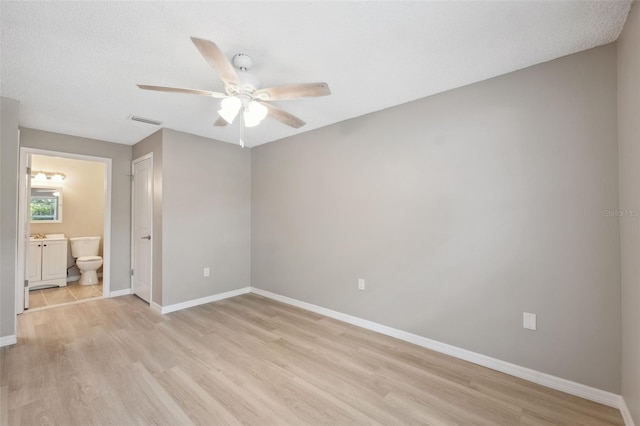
{"x": 22, "y": 218}
{"x": 148, "y": 156}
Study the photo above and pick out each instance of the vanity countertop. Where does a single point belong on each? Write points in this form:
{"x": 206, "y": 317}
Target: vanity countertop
{"x": 57, "y": 237}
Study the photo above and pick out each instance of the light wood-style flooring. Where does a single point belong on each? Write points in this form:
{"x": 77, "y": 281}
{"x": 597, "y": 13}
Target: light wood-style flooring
{"x": 251, "y": 360}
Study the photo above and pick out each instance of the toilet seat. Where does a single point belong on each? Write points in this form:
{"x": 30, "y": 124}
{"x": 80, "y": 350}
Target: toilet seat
{"x": 88, "y": 258}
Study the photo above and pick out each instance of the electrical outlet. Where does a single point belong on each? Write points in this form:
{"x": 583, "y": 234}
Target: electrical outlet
{"x": 529, "y": 321}
{"x": 360, "y": 283}
{"x": 207, "y": 272}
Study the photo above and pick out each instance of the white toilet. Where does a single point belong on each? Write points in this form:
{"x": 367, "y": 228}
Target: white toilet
{"x": 85, "y": 251}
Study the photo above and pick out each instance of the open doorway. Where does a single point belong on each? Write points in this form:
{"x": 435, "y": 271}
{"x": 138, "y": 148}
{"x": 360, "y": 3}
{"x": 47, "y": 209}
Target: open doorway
{"x": 64, "y": 230}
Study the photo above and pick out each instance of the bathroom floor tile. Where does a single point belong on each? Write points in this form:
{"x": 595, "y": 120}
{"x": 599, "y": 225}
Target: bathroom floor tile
{"x": 84, "y": 291}
{"x": 58, "y": 295}
{"x": 36, "y": 299}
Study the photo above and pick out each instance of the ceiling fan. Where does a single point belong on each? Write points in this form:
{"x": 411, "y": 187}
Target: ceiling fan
{"x": 243, "y": 92}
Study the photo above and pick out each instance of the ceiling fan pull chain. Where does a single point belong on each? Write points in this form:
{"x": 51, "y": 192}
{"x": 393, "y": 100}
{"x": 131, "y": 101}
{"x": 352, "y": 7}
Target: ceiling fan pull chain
{"x": 242, "y": 128}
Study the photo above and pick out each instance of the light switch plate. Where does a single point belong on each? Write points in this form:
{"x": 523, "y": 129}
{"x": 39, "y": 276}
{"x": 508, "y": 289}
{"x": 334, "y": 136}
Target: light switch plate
{"x": 529, "y": 321}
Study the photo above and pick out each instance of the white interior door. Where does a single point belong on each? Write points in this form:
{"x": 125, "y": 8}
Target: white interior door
{"x": 142, "y": 217}
{"x": 25, "y": 218}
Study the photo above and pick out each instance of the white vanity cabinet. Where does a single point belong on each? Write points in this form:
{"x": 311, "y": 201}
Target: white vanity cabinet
{"x": 48, "y": 262}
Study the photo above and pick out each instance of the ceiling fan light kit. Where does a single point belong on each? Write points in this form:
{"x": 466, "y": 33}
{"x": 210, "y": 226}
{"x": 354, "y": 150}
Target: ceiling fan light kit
{"x": 229, "y": 108}
{"x": 254, "y": 113}
{"x": 243, "y": 91}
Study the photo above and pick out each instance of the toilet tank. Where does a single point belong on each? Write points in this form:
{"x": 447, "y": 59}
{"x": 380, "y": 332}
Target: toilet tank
{"x": 84, "y": 246}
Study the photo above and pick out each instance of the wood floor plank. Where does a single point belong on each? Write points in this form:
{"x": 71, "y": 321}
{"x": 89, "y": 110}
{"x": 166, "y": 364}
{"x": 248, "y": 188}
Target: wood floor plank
{"x": 194, "y": 399}
{"x": 4, "y": 405}
{"x": 252, "y": 361}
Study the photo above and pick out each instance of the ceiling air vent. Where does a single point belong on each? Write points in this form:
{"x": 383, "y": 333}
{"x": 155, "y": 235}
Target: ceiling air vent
{"x": 145, "y": 120}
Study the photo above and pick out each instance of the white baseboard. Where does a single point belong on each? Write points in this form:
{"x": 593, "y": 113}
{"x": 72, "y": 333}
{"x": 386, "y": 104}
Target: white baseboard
{"x": 553, "y": 382}
{"x": 203, "y": 300}
{"x": 626, "y": 415}
{"x": 8, "y": 340}
{"x": 156, "y": 307}
{"x": 117, "y": 293}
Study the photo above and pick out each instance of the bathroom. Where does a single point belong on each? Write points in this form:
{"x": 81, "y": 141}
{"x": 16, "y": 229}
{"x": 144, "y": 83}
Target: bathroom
{"x": 67, "y": 201}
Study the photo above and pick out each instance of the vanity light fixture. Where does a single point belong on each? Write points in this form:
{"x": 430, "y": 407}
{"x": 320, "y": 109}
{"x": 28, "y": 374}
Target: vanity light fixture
{"x": 43, "y": 176}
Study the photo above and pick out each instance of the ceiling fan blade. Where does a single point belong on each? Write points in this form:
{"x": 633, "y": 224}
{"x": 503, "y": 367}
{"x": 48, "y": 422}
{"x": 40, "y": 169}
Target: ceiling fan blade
{"x": 220, "y": 122}
{"x": 283, "y": 116}
{"x": 214, "y": 56}
{"x": 181, "y": 90}
{"x": 292, "y": 91}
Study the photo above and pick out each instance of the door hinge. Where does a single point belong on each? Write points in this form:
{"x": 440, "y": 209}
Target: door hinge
{"x": 29, "y": 171}
{"x": 132, "y": 272}
{"x": 26, "y": 283}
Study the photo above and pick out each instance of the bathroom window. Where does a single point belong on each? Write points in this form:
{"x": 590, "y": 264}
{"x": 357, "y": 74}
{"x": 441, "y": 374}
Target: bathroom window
{"x": 46, "y": 204}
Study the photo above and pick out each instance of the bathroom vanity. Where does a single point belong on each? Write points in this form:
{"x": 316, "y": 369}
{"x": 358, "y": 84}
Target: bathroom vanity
{"x": 47, "y": 262}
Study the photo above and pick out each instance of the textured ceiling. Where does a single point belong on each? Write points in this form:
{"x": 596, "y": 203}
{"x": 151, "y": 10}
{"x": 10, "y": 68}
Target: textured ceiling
{"x": 74, "y": 65}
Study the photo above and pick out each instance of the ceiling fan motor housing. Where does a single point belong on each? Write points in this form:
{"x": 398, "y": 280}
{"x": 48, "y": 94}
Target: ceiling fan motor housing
{"x": 250, "y": 82}
{"x": 243, "y": 63}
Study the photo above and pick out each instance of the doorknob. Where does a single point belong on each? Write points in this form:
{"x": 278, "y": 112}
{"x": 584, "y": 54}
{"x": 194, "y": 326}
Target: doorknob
{"x": 148, "y": 237}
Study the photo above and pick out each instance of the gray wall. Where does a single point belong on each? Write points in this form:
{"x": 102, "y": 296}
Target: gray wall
{"x": 120, "y": 196}
{"x": 461, "y": 211}
{"x": 9, "y": 143}
{"x": 206, "y": 197}
{"x": 153, "y": 144}
{"x": 629, "y": 155}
